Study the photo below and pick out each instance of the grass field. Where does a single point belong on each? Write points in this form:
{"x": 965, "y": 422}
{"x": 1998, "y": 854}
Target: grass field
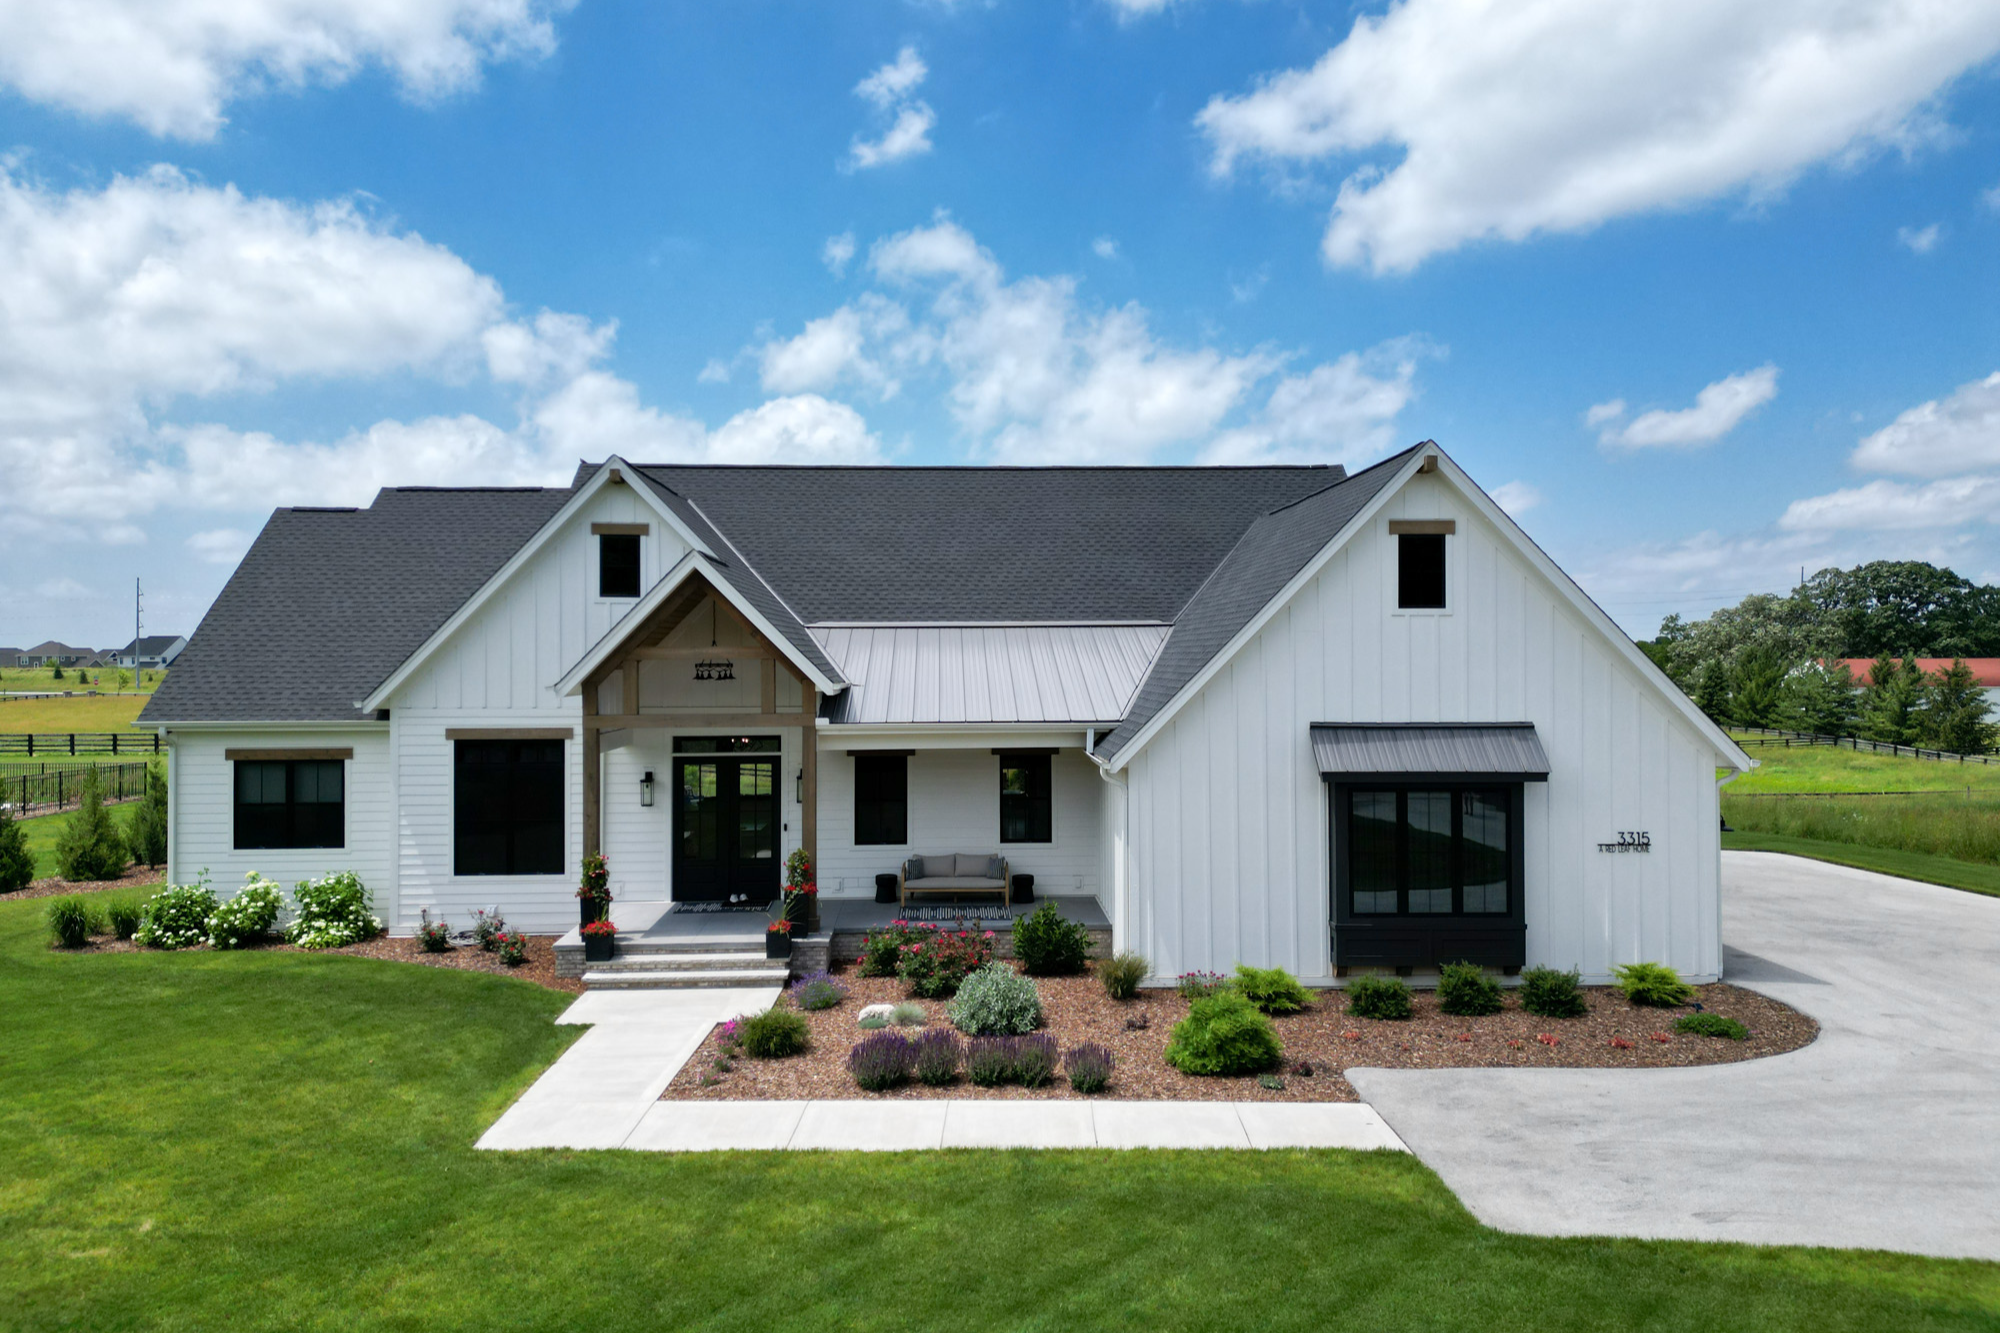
{"x": 1824, "y": 768}
{"x": 1966, "y": 875}
{"x": 276, "y": 1140}
{"x": 77, "y": 713}
{"x": 42, "y": 831}
{"x": 41, "y": 678}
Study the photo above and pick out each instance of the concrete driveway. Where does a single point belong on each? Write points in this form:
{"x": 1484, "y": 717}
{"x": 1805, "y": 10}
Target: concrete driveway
{"x": 1884, "y": 1133}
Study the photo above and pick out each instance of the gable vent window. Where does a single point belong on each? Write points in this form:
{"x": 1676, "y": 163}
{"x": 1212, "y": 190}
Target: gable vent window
{"x": 1420, "y": 571}
{"x": 618, "y": 564}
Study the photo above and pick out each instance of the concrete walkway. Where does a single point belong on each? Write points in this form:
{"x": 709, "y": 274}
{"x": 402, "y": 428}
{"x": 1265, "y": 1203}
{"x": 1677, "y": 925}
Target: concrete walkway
{"x": 1884, "y": 1133}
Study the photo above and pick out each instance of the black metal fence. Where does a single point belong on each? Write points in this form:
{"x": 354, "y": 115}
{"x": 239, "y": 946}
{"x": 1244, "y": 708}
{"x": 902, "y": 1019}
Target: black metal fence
{"x": 1788, "y": 739}
{"x": 60, "y": 786}
{"x": 50, "y": 744}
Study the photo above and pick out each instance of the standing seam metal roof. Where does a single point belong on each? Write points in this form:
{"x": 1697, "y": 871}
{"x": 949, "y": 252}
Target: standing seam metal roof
{"x": 990, "y": 673}
{"x": 1510, "y": 748}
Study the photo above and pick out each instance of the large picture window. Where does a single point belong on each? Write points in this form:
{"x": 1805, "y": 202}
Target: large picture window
{"x": 1437, "y": 852}
{"x": 290, "y": 803}
{"x": 1025, "y": 802}
{"x": 507, "y": 807}
{"x": 881, "y": 799}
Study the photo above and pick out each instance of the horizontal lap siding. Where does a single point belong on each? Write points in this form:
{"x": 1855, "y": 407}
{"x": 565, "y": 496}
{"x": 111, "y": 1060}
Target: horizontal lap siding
{"x": 204, "y": 813}
{"x": 955, "y": 807}
{"x": 1228, "y": 819}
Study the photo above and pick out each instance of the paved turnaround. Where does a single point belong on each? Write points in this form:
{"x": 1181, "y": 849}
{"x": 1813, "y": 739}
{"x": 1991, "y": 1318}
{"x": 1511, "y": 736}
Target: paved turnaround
{"x": 1884, "y": 1133}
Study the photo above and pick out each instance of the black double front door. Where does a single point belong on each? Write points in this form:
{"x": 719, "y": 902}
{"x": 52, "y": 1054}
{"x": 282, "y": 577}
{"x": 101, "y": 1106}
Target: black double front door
{"x": 726, "y": 828}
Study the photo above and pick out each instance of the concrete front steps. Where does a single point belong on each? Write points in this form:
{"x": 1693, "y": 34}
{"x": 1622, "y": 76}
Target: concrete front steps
{"x": 640, "y": 965}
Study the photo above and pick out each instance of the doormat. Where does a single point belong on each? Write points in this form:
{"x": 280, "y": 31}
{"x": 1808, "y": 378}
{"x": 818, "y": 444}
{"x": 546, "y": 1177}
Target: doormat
{"x": 949, "y": 915}
{"x": 761, "y": 909}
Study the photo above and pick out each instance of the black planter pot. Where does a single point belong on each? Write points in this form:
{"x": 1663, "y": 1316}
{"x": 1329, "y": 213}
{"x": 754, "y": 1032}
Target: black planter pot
{"x": 777, "y": 944}
{"x": 591, "y": 909}
{"x": 885, "y": 888}
{"x": 1024, "y": 888}
{"x": 599, "y": 948}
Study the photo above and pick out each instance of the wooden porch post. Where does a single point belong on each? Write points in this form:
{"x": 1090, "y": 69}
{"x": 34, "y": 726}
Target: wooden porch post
{"x": 593, "y": 824}
{"x": 809, "y": 761}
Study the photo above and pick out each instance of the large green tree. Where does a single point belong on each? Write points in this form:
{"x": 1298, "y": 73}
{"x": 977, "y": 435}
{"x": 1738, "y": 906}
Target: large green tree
{"x": 1954, "y": 711}
{"x": 1889, "y": 698}
{"x": 1819, "y": 699}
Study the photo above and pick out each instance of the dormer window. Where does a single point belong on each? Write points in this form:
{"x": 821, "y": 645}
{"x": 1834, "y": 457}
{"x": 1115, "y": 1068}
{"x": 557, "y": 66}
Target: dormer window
{"x": 1420, "y": 563}
{"x": 618, "y": 558}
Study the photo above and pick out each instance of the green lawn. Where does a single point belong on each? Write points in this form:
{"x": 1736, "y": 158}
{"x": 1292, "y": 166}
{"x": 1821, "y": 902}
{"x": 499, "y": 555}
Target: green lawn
{"x": 272, "y": 1140}
{"x": 41, "y": 678}
{"x": 42, "y": 831}
{"x": 1968, "y": 875}
{"x": 1825, "y": 768}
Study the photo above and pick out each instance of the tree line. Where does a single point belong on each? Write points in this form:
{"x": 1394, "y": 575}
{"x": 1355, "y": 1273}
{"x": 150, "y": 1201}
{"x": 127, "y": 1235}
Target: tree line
{"x": 1773, "y": 661}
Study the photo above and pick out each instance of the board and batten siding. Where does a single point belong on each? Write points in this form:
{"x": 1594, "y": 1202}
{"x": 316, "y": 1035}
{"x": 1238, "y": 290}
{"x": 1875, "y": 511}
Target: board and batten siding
{"x": 202, "y": 818}
{"x": 1228, "y": 818}
{"x": 954, "y": 806}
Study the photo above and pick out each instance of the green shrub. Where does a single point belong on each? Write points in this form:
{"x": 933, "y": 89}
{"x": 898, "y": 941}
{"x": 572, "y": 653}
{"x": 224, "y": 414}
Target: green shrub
{"x": 1378, "y": 997}
{"x": 1653, "y": 984}
{"x": 510, "y": 948}
{"x": 123, "y": 915}
{"x": 90, "y": 846}
{"x": 433, "y": 936}
{"x": 249, "y": 916}
{"x": 487, "y": 928}
{"x": 873, "y": 1023}
{"x": 1271, "y": 989}
{"x": 17, "y": 863}
{"x": 996, "y": 1001}
{"x": 1711, "y": 1025}
{"x": 909, "y": 1014}
{"x": 333, "y": 912}
{"x": 774, "y": 1033}
{"x": 73, "y": 919}
{"x": 1049, "y": 946}
{"x": 940, "y": 960}
{"x": 882, "y": 948}
{"x": 1223, "y": 1034}
{"x": 177, "y": 917}
{"x": 1122, "y": 973}
{"x": 1465, "y": 989}
{"x": 148, "y": 834}
{"x": 1552, "y": 994}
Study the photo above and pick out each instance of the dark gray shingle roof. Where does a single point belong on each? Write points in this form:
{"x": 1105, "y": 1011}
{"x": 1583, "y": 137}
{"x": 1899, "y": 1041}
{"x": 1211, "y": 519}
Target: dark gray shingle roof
{"x": 1273, "y": 548}
{"x": 964, "y": 544}
{"x": 329, "y": 602}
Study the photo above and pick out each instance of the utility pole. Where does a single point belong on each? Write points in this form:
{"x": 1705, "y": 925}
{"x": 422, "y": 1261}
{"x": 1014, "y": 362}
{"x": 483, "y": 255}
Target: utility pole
{"x": 138, "y": 627}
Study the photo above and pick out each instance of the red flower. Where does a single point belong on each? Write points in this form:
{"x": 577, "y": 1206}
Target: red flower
{"x": 779, "y": 927}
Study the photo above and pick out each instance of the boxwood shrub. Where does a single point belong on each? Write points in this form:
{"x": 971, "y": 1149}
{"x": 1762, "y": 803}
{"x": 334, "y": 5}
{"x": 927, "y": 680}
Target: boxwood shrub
{"x": 1378, "y": 997}
{"x": 1049, "y": 946}
{"x": 1224, "y": 1034}
{"x": 1552, "y": 994}
{"x": 1465, "y": 989}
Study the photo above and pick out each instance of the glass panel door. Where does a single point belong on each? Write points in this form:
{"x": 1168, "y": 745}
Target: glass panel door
{"x": 700, "y": 814}
{"x": 726, "y": 828}
{"x": 757, "y": 811}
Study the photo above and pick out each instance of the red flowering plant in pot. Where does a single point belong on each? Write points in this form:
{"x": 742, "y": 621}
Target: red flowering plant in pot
{"x": 600, "y": 939}
{"x": 778, "y": 939}
{"x": 593, "y": 895}
{"x": 801, "y": 893}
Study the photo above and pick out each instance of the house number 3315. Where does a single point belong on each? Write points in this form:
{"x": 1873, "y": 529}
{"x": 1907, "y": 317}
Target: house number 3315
{"x": 1629, "y": 841}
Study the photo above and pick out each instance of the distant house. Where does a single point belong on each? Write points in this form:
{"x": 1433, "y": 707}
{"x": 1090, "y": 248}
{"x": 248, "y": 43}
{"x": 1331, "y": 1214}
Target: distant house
{"x": 1272, "y": 715}
{"x": 155, "y": 652}
{"x": 1985, "y": 674}
{"x": 51, "y": 654}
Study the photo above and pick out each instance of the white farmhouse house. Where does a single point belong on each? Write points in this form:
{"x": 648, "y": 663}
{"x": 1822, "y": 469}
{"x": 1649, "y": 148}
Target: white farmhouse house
{"x": 1275, "y": 715}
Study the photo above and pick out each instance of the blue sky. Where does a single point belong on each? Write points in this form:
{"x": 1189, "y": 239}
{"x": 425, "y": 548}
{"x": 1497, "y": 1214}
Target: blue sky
{"x": 1704, "y": 295}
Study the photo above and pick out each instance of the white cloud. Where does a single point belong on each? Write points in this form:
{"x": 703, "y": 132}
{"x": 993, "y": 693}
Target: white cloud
{"x": 908, "y": 137}
{"x": 1482, "y": 119}
{"x": 61, "y": 588}
{"x": 836, "y": 253}
{"x": 1717, "y": 410}
{"x": 802, "y": 429}
{"x": 172, "y": 65}
{"x": 1133, "y": 9}
{"x": 833, "y": 348}
{"x": 221, "y": 546}
{"x": 1918, "y": 241}
{"x": 1991, "y": 198}
{"x": 894, "y": 81}
{"x": 1104, "y": 247}
{"x": 714, "y": 371}
{"x": 1516, "y": 497}
{"x": 1956, "y": 433}
{"x": 888, "y": 89}
{"x": 1343, "y": 411}
{"x": 1251, "y": 287}
{"x": 1893, "y": 504}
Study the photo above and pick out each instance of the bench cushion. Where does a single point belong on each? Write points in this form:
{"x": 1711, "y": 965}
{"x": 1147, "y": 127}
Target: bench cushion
{"x": 943, "y": 882}
{"x": 936, "y": 867}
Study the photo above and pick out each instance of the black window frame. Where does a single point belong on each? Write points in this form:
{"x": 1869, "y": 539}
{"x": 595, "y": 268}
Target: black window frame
{"x": 1032, "y": 809}
{"x": 496, "y": 826}
{"x": 1425, "y": 576}
{"x": 1456, "y": 854}
{"x": 881, "y": 800}
{"x": 290, "y": 823}
{"x": 625, "y": 567}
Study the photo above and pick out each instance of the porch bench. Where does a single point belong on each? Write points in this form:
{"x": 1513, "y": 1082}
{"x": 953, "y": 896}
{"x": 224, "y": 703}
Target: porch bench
{"x": 958, "y": 872}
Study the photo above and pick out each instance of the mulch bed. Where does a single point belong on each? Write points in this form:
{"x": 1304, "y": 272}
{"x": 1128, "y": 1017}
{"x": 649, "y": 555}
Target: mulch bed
{"x": 1076, "y": 1009}
{"x": 135, "y": 877}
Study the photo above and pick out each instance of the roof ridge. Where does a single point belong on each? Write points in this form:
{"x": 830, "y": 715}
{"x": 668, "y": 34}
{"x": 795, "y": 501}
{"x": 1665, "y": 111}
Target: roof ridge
{"x": 999, "y": 467}
{"x": 1352, "y": 476}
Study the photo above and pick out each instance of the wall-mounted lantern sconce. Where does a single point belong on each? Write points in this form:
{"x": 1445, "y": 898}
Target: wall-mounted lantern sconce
{"x": 646, "y": 788}
{"x": 799, "y": 787}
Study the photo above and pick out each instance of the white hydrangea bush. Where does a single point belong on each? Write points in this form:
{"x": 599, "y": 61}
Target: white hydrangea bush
{"x": 333, "y": 911}
{"x": 249, "y": 917}
{"x": 177, "y": 916}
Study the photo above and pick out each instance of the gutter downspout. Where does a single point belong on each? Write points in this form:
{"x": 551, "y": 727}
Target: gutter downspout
{"x": 1121, "y": 879}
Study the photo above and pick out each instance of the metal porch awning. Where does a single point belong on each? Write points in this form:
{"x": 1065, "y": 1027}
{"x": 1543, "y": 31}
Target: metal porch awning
{"x": 1500, "y": 751}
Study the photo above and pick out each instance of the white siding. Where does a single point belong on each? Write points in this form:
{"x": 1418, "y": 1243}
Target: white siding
{"x": 203, "y": 814}
{"x": 638, "y": 840}
{"x": 955, "y": 807}
{"x": 1228, "y": 816}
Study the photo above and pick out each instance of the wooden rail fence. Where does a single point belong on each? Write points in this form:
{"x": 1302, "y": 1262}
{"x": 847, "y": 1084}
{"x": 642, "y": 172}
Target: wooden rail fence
{"x": 1802, "y": 739}
{"x": 50, "y": 744}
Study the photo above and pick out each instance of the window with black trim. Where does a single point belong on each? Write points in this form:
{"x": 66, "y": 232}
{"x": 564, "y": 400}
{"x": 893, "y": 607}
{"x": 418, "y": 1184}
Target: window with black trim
{"x": 1420, "y": 571}
{"x": 1026, "y": 808}
{"x": 618, "y": 564}
{"x": 1441, "y": 852}
{"x": 290, "y": 803}
{"x": 881, "y": 799}
{"x": 507, "y": 807}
